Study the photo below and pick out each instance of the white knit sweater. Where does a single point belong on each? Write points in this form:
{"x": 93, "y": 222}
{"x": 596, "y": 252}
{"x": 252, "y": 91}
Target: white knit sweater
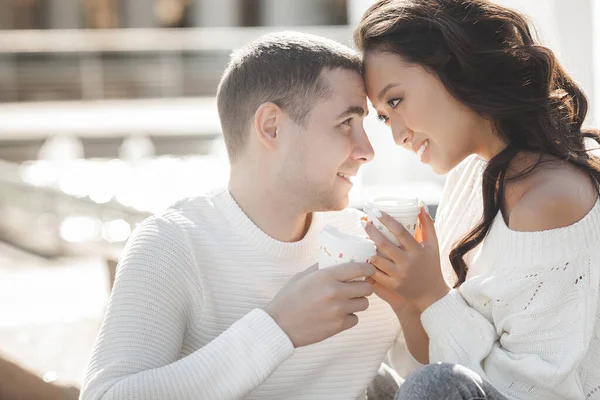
{"x": 528, "y": 316}
{"x": 184, "y": 320}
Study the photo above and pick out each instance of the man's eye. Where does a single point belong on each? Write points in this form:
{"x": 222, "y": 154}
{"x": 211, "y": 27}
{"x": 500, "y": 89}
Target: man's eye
{"x": 348, "y": 122}
{"x": 394, "y": 102}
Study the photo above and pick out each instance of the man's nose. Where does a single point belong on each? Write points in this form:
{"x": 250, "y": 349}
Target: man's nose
{"x": 363, "y": 150}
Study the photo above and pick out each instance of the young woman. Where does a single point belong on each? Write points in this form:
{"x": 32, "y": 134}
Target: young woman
{"x": 505, "y": 305}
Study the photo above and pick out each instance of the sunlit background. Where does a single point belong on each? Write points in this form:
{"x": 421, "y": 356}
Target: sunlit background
{"x": 107, "y": 115}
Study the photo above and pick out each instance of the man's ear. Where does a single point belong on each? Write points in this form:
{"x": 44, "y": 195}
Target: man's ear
{"x": 267, "y": 119}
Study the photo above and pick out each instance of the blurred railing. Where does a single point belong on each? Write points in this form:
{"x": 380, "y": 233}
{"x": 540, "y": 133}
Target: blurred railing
{"x": 143, "y": 40}
{"x": 50, "y": 222}
{"x": 111, "y": 118}
{"x": 123, "y": 63}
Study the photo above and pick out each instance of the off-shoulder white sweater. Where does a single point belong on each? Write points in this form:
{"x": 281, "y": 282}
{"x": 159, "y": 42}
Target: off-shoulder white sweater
{"x": 528, "y": 316}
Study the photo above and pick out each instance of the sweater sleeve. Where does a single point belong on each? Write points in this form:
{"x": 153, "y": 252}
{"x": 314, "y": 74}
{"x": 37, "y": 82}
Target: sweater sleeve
{"x": 137, "y": 352}
{"x": 543, "y": 323}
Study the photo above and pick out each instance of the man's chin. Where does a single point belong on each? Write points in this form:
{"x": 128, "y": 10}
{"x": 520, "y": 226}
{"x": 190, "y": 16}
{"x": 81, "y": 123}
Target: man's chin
{"x": 333, "y": 204}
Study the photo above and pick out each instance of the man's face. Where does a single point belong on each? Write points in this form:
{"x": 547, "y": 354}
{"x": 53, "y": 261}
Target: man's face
{"x": 319, "y": 160}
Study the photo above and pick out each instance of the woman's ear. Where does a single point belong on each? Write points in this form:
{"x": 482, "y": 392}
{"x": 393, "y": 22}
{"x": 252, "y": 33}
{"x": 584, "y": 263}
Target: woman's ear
{"x": 266, "y": 124}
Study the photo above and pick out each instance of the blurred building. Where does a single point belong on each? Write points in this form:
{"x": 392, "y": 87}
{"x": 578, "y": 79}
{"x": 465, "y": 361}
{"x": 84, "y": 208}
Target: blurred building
{"x": 129, "y": 49}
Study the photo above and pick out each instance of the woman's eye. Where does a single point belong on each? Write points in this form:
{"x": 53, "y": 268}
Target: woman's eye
{"x": 382, "y": 118}
{"x": 394, "y": 102}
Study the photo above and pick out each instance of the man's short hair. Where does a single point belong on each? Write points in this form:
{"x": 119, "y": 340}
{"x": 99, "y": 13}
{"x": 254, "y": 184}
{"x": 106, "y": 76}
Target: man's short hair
{"x": 282, "y": 68}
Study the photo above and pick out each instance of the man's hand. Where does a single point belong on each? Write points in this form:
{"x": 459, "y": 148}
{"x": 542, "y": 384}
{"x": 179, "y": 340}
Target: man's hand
{"x": 319, "y": 303}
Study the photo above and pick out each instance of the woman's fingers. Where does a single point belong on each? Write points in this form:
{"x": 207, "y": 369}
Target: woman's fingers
{"x": 390, "y": 296}
{"x": 384, "y": 265}
{"x": 399, "y": 231}
{"x": 389, "y": 249}
{"x": 428, "y": 229}
{"x": 384, "y": 279}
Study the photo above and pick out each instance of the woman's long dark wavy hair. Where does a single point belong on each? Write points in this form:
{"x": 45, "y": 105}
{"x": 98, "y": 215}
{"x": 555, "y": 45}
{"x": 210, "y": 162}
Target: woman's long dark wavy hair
{"x": 487, "y": 58}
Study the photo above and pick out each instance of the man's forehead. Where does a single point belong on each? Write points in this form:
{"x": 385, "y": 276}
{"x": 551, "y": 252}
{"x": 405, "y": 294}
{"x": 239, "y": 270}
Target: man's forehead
{"x": 348, "y": 89}
{"x": 347, "y": 94}
{"x": 350, "y": 105}
{"x": 343, "y": 78}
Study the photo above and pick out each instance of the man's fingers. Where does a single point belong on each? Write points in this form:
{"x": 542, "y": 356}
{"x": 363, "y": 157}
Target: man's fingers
{"x": 349, "y": 322}
{"x": 349, "y": 271}
{"x": 351, "y": 290}
{"x": 352, "y": 306}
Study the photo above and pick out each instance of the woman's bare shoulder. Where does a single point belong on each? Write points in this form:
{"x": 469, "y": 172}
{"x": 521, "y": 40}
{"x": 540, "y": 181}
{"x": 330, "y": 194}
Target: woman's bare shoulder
{"x": 553, "y": 198}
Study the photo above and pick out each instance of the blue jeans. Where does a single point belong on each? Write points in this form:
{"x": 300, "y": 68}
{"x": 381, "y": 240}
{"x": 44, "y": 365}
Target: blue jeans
{"x": 446, "y": 381}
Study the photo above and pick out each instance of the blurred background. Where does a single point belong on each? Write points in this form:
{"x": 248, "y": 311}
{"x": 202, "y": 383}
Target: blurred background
{"x": 107, "y": 115}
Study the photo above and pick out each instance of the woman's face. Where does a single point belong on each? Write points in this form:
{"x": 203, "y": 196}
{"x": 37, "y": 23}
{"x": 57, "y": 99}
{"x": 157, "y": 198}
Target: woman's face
{"x": 424, "y": 117}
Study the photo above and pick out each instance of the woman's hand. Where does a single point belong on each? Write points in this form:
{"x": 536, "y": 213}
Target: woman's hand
{"x": 412, "y": 270}
{"x": 398, "y": 303}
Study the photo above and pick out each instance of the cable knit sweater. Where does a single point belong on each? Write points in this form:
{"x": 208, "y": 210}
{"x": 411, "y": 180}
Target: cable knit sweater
{"x": 185, "y": 317}
{"x": 527, "y": 319}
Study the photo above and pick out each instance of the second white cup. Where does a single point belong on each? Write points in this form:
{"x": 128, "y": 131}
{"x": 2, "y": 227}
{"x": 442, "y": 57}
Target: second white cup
{"x": 339, "y": 248}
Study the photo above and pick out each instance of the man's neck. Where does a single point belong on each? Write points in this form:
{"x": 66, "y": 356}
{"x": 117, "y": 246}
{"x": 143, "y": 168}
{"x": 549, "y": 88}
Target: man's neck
{"x": 268, "y": 209}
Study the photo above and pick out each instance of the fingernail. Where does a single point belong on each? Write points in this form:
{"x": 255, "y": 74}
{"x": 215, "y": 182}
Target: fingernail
{"x": 377, "y": 213}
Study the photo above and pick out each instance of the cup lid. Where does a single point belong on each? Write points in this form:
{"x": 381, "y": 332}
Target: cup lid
{"x": 331, "y": 236}
{"x": 395, "y": 205}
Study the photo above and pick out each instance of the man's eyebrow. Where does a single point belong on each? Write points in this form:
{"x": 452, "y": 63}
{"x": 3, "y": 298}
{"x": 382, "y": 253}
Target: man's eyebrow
{"x": 353, "y": 110}
{"x": 385, "y": 90}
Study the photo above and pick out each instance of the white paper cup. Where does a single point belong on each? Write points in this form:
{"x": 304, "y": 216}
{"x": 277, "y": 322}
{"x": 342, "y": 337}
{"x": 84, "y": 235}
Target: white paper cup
{"x": 405, "y": 210}
{"x": 339, "y": 248}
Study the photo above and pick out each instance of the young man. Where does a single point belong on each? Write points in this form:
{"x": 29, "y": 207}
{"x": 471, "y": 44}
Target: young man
{"x": 213, "y": 298}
